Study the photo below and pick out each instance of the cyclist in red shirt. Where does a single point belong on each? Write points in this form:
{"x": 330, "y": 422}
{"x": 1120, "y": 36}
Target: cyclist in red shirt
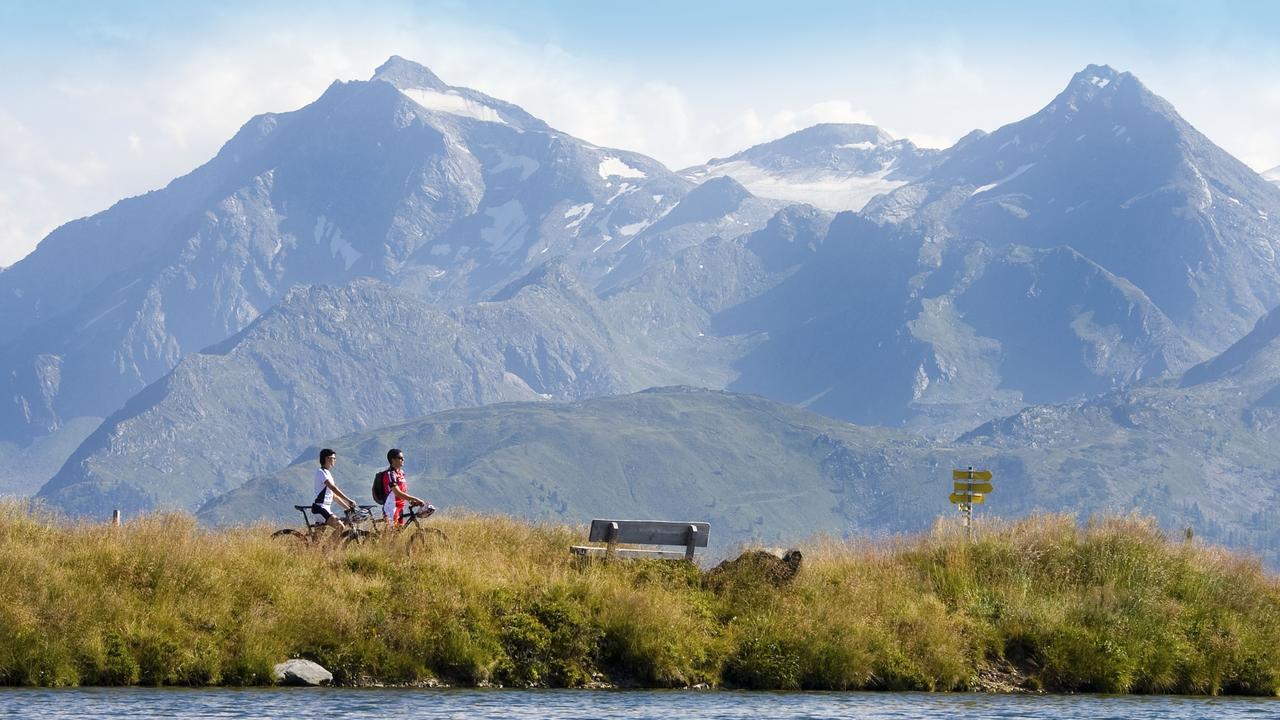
{"x": 397, "y": 490}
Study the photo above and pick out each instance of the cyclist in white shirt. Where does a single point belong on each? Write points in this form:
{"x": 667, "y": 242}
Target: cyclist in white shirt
{"x": 327, "y": 491}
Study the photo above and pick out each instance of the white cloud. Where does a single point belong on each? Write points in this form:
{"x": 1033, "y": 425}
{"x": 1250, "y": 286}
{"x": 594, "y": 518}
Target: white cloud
{"x": 945, "y": 71}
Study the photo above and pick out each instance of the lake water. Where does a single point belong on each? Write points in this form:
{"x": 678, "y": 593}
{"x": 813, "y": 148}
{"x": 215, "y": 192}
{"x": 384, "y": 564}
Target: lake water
{"x": 140, "y": 704}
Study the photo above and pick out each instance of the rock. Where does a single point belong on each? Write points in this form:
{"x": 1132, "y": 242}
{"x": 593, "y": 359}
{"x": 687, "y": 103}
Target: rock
{"x": 755, "y": 567}
{"x": 301, "y": 672}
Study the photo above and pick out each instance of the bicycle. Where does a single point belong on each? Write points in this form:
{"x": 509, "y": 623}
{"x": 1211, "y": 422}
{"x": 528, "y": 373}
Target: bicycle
{"x": 354, "y": 531}
{"x": 418, "y": 532}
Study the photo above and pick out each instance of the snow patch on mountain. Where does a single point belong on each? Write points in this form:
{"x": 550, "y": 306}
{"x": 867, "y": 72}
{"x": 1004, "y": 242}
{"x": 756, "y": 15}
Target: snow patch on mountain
{"x": 1021, "y": 169}
{"x": 453, "y": 103}
{"x": 822, "y": 188}
{"x": 623, "y": 190}
{"x": 527, "y": 165}
{"x": 613, "y": 167}
{"x": 578, "y": 212}
{"x": 338, "y": 245}
{"x": 94, "y": 320}
{"x": 506, "y": 234}
{"x": 633, "y": 228}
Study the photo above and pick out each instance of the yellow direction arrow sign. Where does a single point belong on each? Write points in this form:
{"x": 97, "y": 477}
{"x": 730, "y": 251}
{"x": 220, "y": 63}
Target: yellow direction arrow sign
{"x": 970, "y": 474}
{"x": 972, "y": 487}
{"x": 974, "y": 499}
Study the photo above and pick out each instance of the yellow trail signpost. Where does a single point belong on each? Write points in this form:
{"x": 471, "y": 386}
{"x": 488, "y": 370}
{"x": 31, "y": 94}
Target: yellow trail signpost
{"x": 970, "y": 487}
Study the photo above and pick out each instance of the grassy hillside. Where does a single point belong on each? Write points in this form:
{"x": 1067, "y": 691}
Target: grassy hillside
{"x": 1041, "y": 603}
{"x": 761, "y": 471}
{"x": 755, "y": 469}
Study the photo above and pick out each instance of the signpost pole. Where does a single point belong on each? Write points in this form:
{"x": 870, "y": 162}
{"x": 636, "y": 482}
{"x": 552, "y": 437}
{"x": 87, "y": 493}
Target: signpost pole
{"x": 968, "y": 510}
{"x": 970, "y": 487}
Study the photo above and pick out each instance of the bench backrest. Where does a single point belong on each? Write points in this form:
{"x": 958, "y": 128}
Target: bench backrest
{"x": 650, "y": 532}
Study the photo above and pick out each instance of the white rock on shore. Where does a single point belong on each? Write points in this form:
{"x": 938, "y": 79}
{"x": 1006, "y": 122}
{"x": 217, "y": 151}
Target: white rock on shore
{"x": 301, "y": 672}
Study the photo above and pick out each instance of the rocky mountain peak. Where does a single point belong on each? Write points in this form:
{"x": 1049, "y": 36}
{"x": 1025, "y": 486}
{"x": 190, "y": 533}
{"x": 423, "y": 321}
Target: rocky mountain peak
{"x": 409, "y": 75}
{"x": 824, "y": 137}
{"x": 554, "y": 275}
{"x": 1102, "y": 89}
{"x": 714, "y": 198}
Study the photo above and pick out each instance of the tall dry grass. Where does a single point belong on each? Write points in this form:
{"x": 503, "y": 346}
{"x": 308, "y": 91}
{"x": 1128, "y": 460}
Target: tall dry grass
{"x": 1112, "y": 606}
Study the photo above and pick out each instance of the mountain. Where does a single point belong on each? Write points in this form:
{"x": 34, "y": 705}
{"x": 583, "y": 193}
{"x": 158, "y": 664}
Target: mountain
{"x": 1019, "y": 270}
{"x": 443, "y": 191}
{"x": 315, "y": 366}
{"x": 831, "y": 166}
{"x": 328, "y": 361}
{"x": 718, "y": 208}
{"x": 1111, "y": 170}
{"x": 866, "y": 330}
{"x": 511, "y": 262}
{"x": 663, "y": 319}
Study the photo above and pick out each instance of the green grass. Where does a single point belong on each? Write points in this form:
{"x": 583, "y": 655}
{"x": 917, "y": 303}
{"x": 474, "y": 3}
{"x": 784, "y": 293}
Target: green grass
{"x": 1040, "y": 603}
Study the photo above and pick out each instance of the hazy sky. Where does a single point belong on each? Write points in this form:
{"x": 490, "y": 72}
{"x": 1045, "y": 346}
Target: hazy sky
{"x": 103, "y": 100}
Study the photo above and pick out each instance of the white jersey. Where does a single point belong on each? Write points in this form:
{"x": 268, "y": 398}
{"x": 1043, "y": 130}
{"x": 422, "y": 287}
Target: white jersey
{"x": 324, "y": 489}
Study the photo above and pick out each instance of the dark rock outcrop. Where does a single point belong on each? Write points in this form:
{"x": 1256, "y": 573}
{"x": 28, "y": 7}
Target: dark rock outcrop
{"x": 755, "y": 568}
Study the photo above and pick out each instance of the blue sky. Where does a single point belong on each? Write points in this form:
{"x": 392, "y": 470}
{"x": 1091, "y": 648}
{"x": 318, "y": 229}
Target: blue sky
{"x": 103, "y": 100}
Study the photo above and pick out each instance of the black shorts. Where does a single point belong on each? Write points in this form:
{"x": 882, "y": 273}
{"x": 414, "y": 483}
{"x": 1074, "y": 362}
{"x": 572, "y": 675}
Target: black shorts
{"x": 318, "y": 509}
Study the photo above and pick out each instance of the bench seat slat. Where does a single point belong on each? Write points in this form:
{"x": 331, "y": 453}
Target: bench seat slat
{"x": 630, "y": 553}
{"x": 650, "y": 532}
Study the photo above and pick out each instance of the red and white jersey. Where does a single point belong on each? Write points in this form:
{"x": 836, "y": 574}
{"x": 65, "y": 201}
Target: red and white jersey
{"x": 394, "y": 505}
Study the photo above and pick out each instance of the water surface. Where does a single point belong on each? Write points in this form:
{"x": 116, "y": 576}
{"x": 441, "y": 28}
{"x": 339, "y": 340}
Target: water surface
{"x": 146, "y": 703}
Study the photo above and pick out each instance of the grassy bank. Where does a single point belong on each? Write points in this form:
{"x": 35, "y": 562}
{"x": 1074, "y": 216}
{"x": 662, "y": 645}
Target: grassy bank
{"x": 1038, "y": 604}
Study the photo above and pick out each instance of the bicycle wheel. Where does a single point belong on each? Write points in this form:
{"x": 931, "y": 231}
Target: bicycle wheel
{"x": 290, "y": 535}
{"x": 354, "y": 537}
{"x": 423, "y": 537}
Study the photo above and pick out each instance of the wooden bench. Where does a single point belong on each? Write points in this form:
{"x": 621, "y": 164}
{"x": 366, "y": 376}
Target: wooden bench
{"x": 689, "y": 535}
